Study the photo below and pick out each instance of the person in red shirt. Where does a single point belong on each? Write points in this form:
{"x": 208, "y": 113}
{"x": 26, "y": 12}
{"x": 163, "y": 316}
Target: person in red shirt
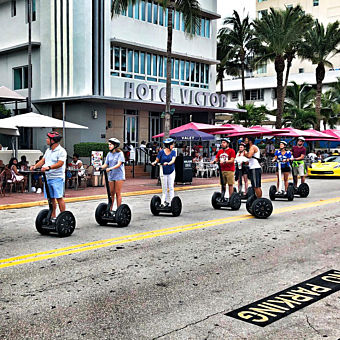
{"x": 226, "y": 157}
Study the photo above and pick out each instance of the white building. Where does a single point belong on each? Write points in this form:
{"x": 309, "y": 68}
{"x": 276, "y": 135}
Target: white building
{"x": 109, "y": 72}
{"x": 262, "y": 91}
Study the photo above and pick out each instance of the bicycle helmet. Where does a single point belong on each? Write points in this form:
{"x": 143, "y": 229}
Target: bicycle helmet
{"x": 302, "y": 138}
{"x": 167, "y": 142}
{"x": 55, "y": 136}
{"x": 115, "y": 142}
{"x": 225, "y": 140}
{"x": 283, "y": 142}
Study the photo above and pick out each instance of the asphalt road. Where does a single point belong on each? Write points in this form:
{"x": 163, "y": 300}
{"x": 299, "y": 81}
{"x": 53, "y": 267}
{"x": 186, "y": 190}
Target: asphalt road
{"x": 169, "y": 278}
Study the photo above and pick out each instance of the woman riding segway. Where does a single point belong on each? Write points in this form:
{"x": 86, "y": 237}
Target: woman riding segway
{"x": 114, "y": 177}
{"x": 166, "y": 158}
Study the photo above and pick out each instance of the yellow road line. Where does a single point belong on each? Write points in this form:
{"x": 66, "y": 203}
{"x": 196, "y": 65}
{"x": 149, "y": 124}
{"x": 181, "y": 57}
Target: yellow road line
{"x": 14, "y": 261}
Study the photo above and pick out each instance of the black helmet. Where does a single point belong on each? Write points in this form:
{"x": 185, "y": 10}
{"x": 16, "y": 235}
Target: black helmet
{"x": 56, "y": 136}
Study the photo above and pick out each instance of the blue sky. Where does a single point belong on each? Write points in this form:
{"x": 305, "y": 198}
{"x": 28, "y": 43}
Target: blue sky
{"x": 225, "y": 8}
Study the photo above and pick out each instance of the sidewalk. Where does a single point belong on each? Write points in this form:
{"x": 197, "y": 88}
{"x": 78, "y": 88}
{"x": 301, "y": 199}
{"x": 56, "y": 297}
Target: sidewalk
{"x": 131, "y": 187}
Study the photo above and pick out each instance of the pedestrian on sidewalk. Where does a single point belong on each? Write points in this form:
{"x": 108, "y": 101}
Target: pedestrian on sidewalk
{"x": 54, "y": 164}
{"x": 114, "y": 166}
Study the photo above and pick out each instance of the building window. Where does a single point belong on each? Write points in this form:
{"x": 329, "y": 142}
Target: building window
{"x": 301, "y": 70}
{"x": 262, "y": 68}
{"x": 20, "y": 76}
{"x": 33, "y": 10}
{"x": 261, "y": 0}
{"x": 128, "y": 63}
{"x": 234, "y": 96}
{"x": 315, "y": 3}
{"x": 13, "y": 8}
{"x": 289, "y": 6}
{"x": 153, "y": 13}
{"x": 255, "y": 95}
{"x": 260, "y": 14}
{"x": 131, "y": 127}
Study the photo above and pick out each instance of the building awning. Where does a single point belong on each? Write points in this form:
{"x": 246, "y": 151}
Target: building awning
{"x": 130, "y": 104}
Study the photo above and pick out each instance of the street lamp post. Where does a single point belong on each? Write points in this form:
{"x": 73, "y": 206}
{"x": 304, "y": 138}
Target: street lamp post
{"x": 29, "y": 80}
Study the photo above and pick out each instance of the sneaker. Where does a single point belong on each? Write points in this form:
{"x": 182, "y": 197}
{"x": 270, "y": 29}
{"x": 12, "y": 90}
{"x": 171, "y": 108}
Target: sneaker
{"x": 166, "y": 204}
{"x": 162, "y": 205}
{"x": 38, "y": 191}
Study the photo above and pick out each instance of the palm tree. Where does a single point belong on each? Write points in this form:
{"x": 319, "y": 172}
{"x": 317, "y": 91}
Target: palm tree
{"x": 299, "y": 96}
{"x": 253, "y": 115}
{"x": 238, "y": 41}
{"x": 329, "y": 109}
{"x": 336, "y": 91}
{"x": 299, "y": 118}
{"x": 319, "y": 46}
{"x": 278, "y": 33}
{"x": 191, "y": 15}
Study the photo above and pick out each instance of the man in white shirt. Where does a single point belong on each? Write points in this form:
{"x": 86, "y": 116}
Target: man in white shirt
{"x": 53, "y": 163}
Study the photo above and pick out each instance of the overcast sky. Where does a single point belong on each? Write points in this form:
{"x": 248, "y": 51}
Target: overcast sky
{"x": 225, "y": 8}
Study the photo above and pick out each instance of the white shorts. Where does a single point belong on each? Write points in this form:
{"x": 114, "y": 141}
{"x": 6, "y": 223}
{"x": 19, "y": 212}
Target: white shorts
{"x": 299, "y": 170}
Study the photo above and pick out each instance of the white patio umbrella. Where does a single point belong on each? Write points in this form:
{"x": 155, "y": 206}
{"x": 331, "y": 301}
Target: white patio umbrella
{"x": 35, "y": 120}
{"x": 11, "y": 131}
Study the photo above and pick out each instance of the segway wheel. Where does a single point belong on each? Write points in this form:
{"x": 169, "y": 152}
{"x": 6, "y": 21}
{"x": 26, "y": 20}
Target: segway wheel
{"x": 272, "y": 192}
{"x": 100, "y": 211}
{"x": 154, "y": 204}
{"x": 250, "y": 192}
{"x": 290, "y": 193}
{"x": 65, "y": 224}
{"x": 123, "y": 215}
{"x": 303, "y": 190}
{"x": 216, "y": 197}
{"x": 262, "y": 208}
{"x": 40, "y": 221}
{"x": 235, "y": 201}
{"x": 249, "y": 204}
{"x": 176, "y": 206}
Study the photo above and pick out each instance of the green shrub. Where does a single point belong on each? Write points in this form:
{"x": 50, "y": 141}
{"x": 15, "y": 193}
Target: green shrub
{"x": 85, "y": 149}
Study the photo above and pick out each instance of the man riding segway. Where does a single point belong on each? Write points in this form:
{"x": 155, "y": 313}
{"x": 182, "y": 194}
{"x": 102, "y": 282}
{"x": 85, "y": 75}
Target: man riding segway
{"x": 256, "y": 205}
{"x": 298, "y": 168}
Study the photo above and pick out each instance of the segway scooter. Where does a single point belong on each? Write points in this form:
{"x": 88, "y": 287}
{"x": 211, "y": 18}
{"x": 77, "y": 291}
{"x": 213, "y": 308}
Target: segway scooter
{"x": 280, "y": 193}
{"x": 104, "y": 214}
{"x": 250, "y": 192}
{"x": 63, "y": 225}
{"x": 218, "y": 200}
{"x": 302, "y": 190}
{"x": 175, "y": 207}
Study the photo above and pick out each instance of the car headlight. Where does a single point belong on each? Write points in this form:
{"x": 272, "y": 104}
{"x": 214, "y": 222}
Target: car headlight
{"x": 337, "y": 166}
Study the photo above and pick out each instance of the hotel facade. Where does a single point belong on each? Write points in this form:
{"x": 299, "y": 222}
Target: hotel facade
{"x": 109, "y": 73}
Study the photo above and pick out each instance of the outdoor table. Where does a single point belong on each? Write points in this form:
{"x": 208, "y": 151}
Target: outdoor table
{"x": 30, "y": 174}
{"x": 75, "y": 172}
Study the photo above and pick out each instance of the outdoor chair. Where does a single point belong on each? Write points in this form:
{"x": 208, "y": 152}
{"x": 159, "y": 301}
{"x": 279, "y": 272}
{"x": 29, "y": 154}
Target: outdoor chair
{"x": 201, "y": 169}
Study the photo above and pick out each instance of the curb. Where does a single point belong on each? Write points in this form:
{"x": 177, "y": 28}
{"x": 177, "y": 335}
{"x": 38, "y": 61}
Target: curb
{"x": 100, "y": 197}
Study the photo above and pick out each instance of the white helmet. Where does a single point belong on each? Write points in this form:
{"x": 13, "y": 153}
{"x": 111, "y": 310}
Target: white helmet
{"x": 115, "y": 142}
{"x": 302, "y": 138}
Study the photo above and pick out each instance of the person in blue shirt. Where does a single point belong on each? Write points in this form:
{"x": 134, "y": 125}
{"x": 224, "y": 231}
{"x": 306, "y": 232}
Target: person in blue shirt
{"x": 284, "y": 157}
{"x": 114, "y": 165}
{"x": 167, "y": 158}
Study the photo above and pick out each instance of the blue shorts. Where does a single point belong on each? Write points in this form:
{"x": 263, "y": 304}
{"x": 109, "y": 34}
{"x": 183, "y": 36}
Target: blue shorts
{"x": 56, "y": 187}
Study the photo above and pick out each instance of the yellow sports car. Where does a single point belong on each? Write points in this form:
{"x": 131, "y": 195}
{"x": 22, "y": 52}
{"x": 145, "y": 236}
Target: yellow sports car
{"x": 330, "y": 167}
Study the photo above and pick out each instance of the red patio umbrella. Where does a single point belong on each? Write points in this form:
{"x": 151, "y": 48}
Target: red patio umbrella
{"x": 292, "y": 132}
{"x": 257, "y": 131}
{"x": 194, "y": 126}
{"x": 332, "y": 132}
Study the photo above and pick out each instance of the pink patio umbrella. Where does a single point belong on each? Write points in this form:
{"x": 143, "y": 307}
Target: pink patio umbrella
{"x": 292, "y": 132}
{"x": 257, "y": 131}
{"x": 332, "y": 132}
{"x": 322, "y": 136}
{"x": 194, "y": 126}
{"x": 232, "y": 129}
